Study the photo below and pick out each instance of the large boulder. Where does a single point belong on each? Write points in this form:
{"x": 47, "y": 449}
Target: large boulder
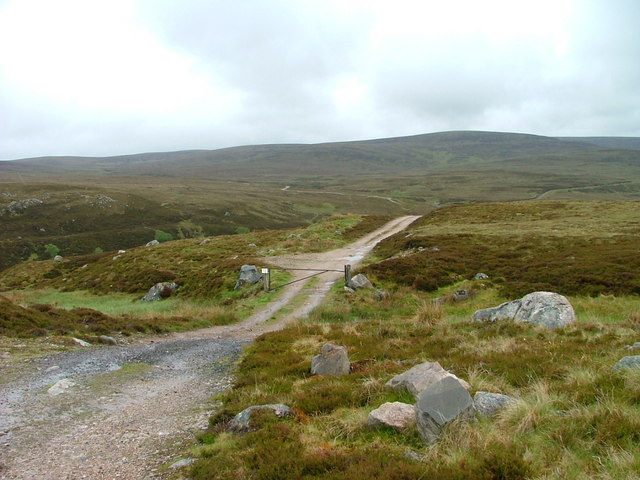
{"x": 242, "y": 421}
{"x": 545, "y": 309}
{"x": 160, "y": 291}
{"x": 249, "y": 275}
{"x": 441, "y": 403}
{"x": 333, "y": 360}
{"x": 419, "y": 377}
{"x": 396, "y": 415}
{"x": 488, "y": 404}
{"x": 632, "y": 361}
{"x": 359, "y": 281}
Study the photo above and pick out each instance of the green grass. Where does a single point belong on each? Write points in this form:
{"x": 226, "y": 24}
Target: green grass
{"x": 571, "y": 404}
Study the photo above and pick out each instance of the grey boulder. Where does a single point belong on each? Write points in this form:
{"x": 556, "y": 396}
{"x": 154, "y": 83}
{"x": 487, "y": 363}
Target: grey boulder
{"x": 160, "y": 291}
{"x": 333, "y": 360}
{"x": 440, "y": 404}
{"x": 249, "y": 275}
{"x": 420, "y": 377}
{"x": 546, "y": 309}
{"x": 152, "y": 243}
{"x": 632, "y": 361}
{"x": 488, "y": 404}
{"x": 359, "y": 281}
{"x": 396, "y": 415}
{"x": 242, "y": 421}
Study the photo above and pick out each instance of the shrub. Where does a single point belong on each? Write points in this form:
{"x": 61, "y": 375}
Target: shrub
{"x": 51, "y": 250}
{"x": 163, "y": 236}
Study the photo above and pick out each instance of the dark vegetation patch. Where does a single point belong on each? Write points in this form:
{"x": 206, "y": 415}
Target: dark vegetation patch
{"x": 574, "y": 248}
{"x": 571, "y": 266}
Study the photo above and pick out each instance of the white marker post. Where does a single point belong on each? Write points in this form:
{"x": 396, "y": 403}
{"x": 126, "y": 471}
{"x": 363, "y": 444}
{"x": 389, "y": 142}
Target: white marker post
{"x": 265, "y": 280}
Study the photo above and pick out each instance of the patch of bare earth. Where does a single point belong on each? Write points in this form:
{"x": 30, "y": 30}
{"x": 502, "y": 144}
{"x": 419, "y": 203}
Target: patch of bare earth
{"x": 130, "y": 409}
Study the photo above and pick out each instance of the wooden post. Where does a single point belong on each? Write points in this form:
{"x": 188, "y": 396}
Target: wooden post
{"x": 347, "y": 275}
{"x": 266, "y": 280}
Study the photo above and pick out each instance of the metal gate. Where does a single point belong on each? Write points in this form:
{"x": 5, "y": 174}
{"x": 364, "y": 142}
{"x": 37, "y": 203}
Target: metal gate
{"x": 266, "y": 276}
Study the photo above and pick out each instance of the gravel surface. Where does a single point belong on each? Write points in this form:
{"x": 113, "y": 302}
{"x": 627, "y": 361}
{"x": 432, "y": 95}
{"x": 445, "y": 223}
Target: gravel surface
{"x": 126, "y": 412}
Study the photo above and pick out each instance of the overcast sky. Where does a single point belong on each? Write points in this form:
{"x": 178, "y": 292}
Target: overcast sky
{"x": 107, "y": 77}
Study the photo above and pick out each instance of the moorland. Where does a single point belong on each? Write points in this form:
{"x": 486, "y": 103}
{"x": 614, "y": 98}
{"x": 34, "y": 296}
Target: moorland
{"x": 532, "y": 213}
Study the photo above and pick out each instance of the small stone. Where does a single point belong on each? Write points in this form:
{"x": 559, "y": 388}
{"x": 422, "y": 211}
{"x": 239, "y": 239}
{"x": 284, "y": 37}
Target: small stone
{"x": 152, "y": 243}
{"x": 488, "y": 404}
{"x": 79, "y": 342}
{"x": 481, "y": 276}
{"x": 57, "y": 258}
{"x": 242, "y": 421}
{"x": 380, "y": 294}
{"x": 359, "y": 281}
{"x": 333, "y": 360}
{"x": 60, "y": 387}
{"x": 182, "y": 463}
{"x": 635, "y": 346}
{"x": 120, "y": 252}
{"x": 396, "y": 415}
{"x": 52, "y": 368}
{"x": 461, "y": 295}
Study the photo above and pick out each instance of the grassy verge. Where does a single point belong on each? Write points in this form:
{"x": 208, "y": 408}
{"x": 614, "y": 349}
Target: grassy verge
{"x": 574, "y": 418}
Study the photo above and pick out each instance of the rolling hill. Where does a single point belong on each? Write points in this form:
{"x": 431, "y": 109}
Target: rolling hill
{"x": 57, "y": 199}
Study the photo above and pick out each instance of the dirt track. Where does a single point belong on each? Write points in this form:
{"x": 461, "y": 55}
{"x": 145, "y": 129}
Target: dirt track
{"x": 131, "y": 407}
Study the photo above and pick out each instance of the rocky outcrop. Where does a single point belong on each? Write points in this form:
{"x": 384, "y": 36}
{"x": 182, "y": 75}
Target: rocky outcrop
{"x": 242, "y": 421}
{"x": 396, "y": 415}
{"x": 420, "y": 377}
{"x": 545, "y": 309}
{"x": 333, "y": 360}
{"x": 160, "y": 291}
{"x": 632, "y": 361}
{"x": 439, "y": 404}
{"x": 488, "y": 404}
{"x": 249, "y": 275}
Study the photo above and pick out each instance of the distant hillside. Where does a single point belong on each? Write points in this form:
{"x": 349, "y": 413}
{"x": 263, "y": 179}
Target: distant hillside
{"x": 60, "y": 200}
{"x": 626, "y": 143}
{"x": 417, "y": 154}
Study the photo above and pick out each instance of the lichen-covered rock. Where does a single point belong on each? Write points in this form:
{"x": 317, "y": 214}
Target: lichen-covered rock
{"x": 439, "y": 404}
{"x": 481, "y": 276}
{"x": 396, "y": 415}
{"x": 488, "y": 404}
{"x": 380, "y": 294}
{"x": 333, "y": 360}
{"x": 152, "y": 243}
{"x": 632, "y": 361}
{"x": 58, "y": 258}
{"x": 545, "y": 309}
{"x": 419, "y": 377}
{"x": 160, "y": 291}
{"x": 242, "y": 421}
{"x": 249, "y": 275}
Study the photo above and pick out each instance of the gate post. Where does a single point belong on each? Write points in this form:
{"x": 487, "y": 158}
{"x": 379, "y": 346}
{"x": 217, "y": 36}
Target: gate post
{"x": 347, "y": 275}
{"x": 266, "y": 280}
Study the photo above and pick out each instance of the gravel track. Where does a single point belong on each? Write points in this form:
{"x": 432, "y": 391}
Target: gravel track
{"x": 132, "y": 408}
